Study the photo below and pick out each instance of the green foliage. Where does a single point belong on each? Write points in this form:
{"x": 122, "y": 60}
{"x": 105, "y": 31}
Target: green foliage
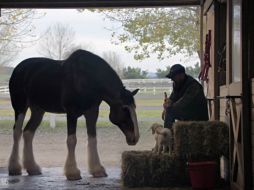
{"x": 162, "y": 73}
{"x": 193, "y": 71}
{"x": 134, "y": 73}
{"x": 161, "y": 31}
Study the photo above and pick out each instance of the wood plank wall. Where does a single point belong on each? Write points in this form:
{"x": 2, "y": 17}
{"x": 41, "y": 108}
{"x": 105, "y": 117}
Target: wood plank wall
{"x": 223, "y": 92}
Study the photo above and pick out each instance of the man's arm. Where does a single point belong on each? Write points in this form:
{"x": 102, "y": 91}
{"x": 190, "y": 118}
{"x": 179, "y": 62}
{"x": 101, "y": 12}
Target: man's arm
{"x": 167, "y": 102}
{"x": 190, "y": 94}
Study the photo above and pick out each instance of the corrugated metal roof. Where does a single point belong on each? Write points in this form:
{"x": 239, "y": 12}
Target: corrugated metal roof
{"x": 93, "y": 3}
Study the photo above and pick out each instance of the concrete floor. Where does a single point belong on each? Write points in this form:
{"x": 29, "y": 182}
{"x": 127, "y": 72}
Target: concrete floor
{"x": 53, "y": 178}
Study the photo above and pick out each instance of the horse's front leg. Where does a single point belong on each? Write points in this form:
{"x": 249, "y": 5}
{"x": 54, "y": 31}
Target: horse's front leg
{"x": 94, "y": 164}
{"x": 70, "y": 169}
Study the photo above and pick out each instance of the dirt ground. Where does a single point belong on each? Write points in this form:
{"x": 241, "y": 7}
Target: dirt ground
{"x": 50, "y": 153}
{"x": 50, "y": 147}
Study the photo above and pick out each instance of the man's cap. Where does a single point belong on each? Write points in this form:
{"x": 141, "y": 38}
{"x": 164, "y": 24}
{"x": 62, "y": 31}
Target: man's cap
{"x": 174, "y": 70}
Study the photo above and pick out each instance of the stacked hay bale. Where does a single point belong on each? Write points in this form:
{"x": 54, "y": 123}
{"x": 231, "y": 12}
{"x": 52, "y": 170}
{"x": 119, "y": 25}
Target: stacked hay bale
{"x": 201, "y": 140}
{"x": 195, "y": 141}
{"x": 144, "y": 168}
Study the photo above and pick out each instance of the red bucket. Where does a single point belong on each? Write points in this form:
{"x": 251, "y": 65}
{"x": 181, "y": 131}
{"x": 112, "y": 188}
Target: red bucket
{"x": 202, "y": 174}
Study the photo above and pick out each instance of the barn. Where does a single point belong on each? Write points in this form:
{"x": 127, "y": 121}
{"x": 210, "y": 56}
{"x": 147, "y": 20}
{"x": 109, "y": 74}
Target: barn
{"x": 227, "y": 41}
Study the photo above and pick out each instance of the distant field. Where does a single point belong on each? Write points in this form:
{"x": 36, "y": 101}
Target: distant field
{"x": 50, "y": 143}
{"x": 4, "y": 78}
{"x": 149, "y": 108}
{"x": 6, "y": 126}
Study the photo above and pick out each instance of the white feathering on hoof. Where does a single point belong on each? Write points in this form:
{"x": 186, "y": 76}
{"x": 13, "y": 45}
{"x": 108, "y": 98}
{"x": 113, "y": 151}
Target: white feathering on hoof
{"x": 94, "y": 164}
{"x": 70, "y": 168}
{"x": 14, "y": 166}
{"x": 28, "y": 157}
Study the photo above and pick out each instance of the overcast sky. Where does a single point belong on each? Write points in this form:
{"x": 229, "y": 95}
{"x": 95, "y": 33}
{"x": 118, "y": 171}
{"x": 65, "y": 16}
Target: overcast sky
{"x": 91, "y": 29}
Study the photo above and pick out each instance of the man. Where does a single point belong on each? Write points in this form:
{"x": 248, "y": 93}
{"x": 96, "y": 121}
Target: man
{"x": 187, "y": 101}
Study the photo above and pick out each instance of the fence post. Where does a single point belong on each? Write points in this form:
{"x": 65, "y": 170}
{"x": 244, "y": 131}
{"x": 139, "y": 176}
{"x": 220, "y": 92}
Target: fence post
{"x": 52, "y": 120}
{"x": 154, "y": 91}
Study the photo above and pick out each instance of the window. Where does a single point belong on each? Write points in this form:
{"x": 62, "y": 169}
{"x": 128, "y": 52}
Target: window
{"x": 236, "y": 41}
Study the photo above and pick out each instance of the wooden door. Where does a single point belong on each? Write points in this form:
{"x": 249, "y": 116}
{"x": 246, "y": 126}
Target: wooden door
{"x": 234, "y": 99}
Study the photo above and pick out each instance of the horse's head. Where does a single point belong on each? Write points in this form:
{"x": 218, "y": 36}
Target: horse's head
{"x": 123, "y": 115}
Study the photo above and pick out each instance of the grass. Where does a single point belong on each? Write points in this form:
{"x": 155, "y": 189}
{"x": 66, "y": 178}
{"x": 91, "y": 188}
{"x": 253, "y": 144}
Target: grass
{"x": 145, "y": 102}
{"x": 6, "y": 126}
{"x": 103, "y": 113}
{"x": 149, "y": 102}
{"x": 5, "y": 101}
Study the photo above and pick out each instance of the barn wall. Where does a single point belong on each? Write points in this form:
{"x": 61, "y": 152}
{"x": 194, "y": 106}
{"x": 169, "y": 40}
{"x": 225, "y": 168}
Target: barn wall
{"x": 223, "y": 92}
{"x": 210, "y": 86}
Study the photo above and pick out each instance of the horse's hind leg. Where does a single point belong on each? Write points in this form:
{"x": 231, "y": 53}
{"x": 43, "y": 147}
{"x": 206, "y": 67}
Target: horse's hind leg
{"x": 28, "y": 134}
{"x": 70, "y": 169}
{"x": 14, "y": 166}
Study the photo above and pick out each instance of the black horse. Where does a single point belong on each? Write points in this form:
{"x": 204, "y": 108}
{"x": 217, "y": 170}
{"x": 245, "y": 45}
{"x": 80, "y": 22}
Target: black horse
{"x": 75, "y": 86}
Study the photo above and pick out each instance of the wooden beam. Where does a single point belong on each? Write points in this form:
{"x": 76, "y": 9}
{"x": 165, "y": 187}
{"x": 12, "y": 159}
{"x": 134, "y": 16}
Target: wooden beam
{"x": 247, "y": 13}
{"x": 229, "y": 43}
{"x": 207, "y": 5}
{"x": 94, "y": 3}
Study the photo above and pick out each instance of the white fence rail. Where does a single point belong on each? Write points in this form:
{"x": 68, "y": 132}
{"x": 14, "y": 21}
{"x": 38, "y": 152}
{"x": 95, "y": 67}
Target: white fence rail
{"x": 153, "y": 86}
{"x": 152, "y": 90}
{"x": 146, "y": 86}
{"x": 4, "y": 89}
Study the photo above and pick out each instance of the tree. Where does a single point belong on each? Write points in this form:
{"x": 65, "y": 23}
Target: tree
{"x": 193, "y": 71}
{"x": 134, "y": 73}
{"x": 115, "y": 62}
{"x": 162, "y": 73}
{"x": 161, "y": 31}
{"x": 58, "y": 42}
{"x": 16, "y": 32}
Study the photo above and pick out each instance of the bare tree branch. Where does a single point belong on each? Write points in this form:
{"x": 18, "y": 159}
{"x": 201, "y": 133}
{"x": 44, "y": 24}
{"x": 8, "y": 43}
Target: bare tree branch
{"x": 16, "y": 32}
{"x": 57, "y": 41}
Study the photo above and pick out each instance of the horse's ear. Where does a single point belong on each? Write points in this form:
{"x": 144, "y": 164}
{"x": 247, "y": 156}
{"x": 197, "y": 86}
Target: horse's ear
{"x": 134, "y": 92}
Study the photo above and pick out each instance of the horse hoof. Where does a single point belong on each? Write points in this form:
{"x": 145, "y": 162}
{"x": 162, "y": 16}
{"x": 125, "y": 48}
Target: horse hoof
{"x": 72, "y": 177}
{"x": 15, "y": 169}
{"x": 34, "y": 171}
{"x": 100, "y": 173}
{"x": 15, "y": 172}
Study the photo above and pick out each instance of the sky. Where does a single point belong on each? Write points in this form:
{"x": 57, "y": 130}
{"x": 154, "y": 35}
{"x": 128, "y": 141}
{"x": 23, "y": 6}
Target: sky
{"x": 92, "y": 31}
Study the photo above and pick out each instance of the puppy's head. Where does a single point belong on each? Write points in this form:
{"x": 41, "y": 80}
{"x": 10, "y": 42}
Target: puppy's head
{"x": 155, "y": 126}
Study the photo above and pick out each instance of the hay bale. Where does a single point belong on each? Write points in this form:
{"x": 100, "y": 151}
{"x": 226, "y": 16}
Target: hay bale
{"x": 193, "y": 141}
{"x": 146, "y": 169}
{"x": 201, "y": 140}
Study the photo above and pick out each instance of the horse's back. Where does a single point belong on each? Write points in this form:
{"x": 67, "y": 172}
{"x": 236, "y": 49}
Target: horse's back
{"x": 37, "y": 81}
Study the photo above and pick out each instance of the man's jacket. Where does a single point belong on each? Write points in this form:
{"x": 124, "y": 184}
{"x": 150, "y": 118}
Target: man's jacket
{"x": 188, "y": 99}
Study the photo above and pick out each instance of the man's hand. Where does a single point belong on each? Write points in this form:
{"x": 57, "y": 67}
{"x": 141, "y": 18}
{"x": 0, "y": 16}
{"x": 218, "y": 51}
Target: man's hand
{"x": 166, "y": 104}
{"x": 163, "y": 115}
